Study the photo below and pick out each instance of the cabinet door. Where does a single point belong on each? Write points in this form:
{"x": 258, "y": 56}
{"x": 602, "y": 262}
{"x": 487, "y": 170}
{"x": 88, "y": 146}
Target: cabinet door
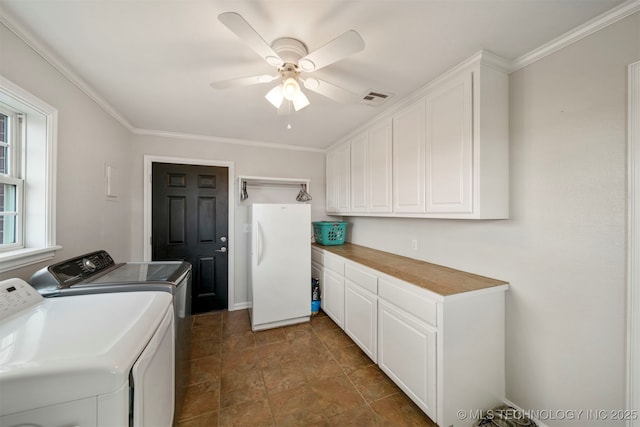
{"x": 331, "y": 203}
{"x": 408, "y": 159}
{"x": 332, "y": 302}
{"x": 449, "y": 146}
{"x": 360, "y": 318}
{"x": 379, "y": 167}
{"x": 338, "y": 178}
{"x": 407, "y": 353}
{"x": 359, "y": 173}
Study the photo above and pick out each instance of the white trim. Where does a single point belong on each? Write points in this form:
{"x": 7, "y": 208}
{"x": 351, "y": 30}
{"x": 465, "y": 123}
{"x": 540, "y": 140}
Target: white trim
{"x": 596, "y": 24}
{"x": 633, "y": 252}
{"x": 45, "y": 249}
{"x": 240, "y": 306}
{"x": 189, "y": 136}
{"x": 75, "y": 79}
{"x": 148, "y": 161}
{"x": 64, "y": 69}
{"x": 607, "y": 18}
{"x": 24, "y": 257}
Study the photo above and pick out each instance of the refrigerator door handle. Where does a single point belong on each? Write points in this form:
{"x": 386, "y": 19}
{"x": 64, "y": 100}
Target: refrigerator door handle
{"x": 259, "y": 244}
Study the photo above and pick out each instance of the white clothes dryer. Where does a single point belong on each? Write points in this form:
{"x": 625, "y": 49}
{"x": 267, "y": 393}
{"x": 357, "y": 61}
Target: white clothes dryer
{"x": 99, "y": 360}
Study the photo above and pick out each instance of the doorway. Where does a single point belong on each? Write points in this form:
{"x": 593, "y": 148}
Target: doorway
{"x": 189, "y": 216}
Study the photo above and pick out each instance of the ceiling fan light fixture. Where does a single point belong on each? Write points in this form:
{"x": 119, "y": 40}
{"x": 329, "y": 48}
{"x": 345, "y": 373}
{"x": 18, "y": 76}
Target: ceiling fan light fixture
{"x": 275, "y": 96}
{"x": 300, "y": 101}
{"x": 291, "y": 56}
{"x": 290, "y": 88}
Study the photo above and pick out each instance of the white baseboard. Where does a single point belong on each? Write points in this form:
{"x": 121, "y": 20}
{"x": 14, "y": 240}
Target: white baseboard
{"x": 240, "y": 306}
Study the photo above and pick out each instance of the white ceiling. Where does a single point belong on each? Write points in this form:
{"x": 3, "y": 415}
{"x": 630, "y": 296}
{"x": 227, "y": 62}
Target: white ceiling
{"x": 152, "y": 60}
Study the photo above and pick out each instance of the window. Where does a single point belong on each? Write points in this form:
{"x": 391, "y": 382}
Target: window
{"x": 27, "y": 178}
{"x": 11, "y": 184}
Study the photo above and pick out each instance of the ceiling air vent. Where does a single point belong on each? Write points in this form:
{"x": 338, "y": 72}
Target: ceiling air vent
{"x": 375, "y": 98}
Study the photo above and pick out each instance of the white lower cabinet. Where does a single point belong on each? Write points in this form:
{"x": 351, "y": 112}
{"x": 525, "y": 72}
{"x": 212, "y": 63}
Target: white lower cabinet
{"x": 407, "y": 354}
{"x": 360, "y": 318}
{"x": 333, "y": 296}
{"x": 332, "y": 282}
{"x": 445, "y": 352}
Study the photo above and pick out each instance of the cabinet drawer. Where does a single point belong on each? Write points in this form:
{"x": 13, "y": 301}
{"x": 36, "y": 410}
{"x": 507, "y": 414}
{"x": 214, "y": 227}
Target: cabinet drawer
{"x": 409, "y": 298}
{"x": 317, "y": 255}
{"x": 361, "y": 277}
{"x": 334, "y": 262}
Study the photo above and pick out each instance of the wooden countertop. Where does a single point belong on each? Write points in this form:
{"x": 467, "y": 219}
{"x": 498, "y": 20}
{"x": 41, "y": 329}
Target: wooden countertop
{"x": 444, "y": 281}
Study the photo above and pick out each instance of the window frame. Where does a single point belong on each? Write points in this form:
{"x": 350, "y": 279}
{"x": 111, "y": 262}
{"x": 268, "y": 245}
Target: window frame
{"x": 15, "y": 143}
{"x": 38, "y": 200}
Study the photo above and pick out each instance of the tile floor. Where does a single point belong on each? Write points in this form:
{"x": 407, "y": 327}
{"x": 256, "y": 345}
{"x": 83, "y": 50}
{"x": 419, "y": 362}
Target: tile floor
{"x": 309, "y": 374}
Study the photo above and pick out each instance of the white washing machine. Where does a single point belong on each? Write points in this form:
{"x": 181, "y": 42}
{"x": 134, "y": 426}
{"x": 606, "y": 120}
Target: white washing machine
{"x": 89, "y": 360}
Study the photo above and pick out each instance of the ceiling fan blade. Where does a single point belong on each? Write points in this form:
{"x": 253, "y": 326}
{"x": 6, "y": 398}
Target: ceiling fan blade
{"x": 331, "y": 91}
{"x": 243, "y": 81}
{"x": 339, "y": 48}
{"x": 238, "y": 25}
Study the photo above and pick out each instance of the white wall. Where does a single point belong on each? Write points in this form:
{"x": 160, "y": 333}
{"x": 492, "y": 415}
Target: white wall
{"x": 87, "y": 139}
{"x": 248, "y": 160}
{"x": 563, "y": 249}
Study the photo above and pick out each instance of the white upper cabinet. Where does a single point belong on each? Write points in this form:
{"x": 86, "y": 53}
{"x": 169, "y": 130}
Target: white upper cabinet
{"x": 360, "y": 182}
{"x": 380, "y": 167}
{"x": 467, "y": 145}
{"x": 371, "y": 169}
{"x": 338, "y": 179}
{"x": 408, "y": 159}
{"x": 359, "y": 172}
{"x": 446, "y": 152}
{"x": 449, "y": 146}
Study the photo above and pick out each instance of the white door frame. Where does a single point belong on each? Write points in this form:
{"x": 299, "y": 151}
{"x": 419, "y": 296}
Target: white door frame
{"x": 148, "y": 161}
{"x": 633, "y": 251}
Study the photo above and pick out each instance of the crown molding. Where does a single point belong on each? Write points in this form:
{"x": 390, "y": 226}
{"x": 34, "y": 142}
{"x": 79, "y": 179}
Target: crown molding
{"x": 605, "y": 19}
{"x": 221, "y": 140}
{"x": 596, "y": 24}
{"x": 61, "y": 67}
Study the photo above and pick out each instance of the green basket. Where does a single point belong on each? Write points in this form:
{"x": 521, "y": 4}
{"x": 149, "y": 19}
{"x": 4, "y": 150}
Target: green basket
{"x": 329, "y": 233}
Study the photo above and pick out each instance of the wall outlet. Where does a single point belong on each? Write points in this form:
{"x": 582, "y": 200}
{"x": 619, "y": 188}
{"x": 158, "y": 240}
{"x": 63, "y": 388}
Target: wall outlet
{"x": 414, "y": 244}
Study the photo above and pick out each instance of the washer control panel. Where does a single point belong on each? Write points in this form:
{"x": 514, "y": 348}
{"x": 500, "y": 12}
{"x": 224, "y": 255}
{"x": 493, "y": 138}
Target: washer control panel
{"x": 15, "y": 296}
{"x": 76, "y": 269}
{"x": 49, "y": 280}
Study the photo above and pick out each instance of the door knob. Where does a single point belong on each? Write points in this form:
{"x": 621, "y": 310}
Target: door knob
{"x": 222, "y": 249}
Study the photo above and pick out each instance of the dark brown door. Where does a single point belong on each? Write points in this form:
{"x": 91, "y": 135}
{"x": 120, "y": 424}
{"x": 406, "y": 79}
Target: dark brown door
{"x": 190, "y": 223}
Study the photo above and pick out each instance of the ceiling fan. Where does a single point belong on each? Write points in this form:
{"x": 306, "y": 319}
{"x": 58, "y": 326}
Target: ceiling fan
{"x": 292, "y": 59}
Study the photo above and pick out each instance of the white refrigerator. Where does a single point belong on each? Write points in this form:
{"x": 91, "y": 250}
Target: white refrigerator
{"x": 280, "y": 267}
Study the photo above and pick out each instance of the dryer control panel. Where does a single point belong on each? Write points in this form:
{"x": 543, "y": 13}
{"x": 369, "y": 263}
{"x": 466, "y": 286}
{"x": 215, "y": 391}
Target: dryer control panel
{"x": 15, "y": 296}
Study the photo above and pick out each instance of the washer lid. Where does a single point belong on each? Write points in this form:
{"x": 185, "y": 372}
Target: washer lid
{"x": 70, "y": 348}
{"x": 144, "y": 272}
